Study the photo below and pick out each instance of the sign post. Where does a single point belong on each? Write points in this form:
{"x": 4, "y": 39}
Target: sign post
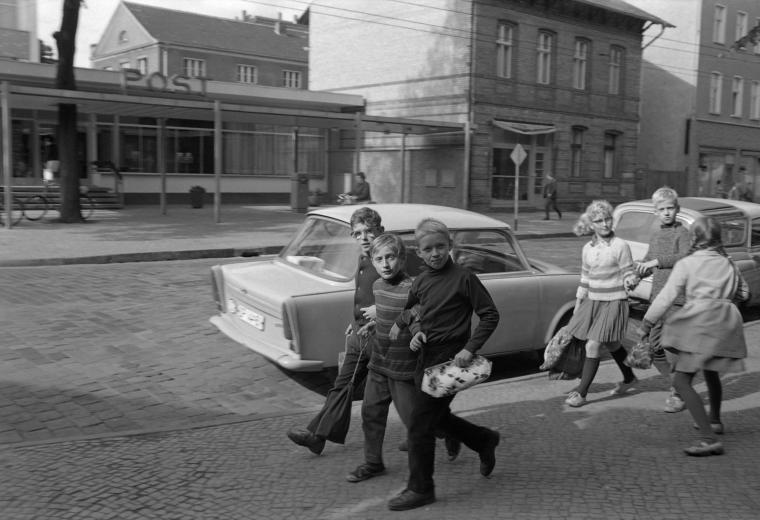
{"x": 518, "y": 155}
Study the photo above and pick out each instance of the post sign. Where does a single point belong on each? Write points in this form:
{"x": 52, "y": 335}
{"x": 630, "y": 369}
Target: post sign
{"x": 518, "y": 155}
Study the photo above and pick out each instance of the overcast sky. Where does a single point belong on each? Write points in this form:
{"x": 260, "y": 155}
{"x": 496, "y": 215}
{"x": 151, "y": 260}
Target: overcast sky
{"x": 95, "y": 15}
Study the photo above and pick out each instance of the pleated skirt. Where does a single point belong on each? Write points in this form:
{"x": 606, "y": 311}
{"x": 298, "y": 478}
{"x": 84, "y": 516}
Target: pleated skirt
{"x": 602, "y": 321}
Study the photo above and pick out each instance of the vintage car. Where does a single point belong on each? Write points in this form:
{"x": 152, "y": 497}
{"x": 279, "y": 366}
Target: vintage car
{"x": 293, "y": 308}
{"x": 740, "y": 221}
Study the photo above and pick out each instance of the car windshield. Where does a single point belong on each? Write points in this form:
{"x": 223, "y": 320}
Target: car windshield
{"x": 323, "y": 247}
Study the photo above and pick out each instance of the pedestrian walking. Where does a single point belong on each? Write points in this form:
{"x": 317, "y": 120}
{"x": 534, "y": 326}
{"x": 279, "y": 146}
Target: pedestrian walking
{"x": 600, "y": 316}
{"x": 392, "y": 362}
{"x": 447, "y": 295}
{"x": 668, "y": 244}
{"x": 365, "y": 226}
{"x": 550, "y": 196}
{"x": 707, "y": 333}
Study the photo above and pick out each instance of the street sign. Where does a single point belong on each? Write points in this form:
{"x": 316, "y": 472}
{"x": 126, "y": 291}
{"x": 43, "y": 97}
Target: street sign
{"x": 518, "y": 155}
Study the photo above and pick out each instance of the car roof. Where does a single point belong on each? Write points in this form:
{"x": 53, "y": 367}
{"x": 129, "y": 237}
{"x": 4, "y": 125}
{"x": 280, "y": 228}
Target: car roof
{"x": 399, "y": 217}
{"x": 704, "y": 204}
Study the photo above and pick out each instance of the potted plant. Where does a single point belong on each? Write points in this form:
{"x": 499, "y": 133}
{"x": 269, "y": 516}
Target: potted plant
{"x": 315, "y": 197}
{"x": 196, "y": 196}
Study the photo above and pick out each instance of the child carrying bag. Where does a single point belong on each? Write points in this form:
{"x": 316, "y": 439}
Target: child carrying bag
{"x": 447, "y": 378}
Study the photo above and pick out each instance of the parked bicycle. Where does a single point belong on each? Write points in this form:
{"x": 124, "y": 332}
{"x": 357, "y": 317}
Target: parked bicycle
{"x": 16, "y": 212}
{"x": 42, "y": 203}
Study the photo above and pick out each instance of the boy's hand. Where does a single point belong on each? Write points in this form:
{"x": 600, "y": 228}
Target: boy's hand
{"x": 369, "y": 313}
{"x": 395, "y": 331}
{"x": 645, "y": 268}
{"x": 463, "y": 358}
{"x": 348, "y": 330}
{"x": 630, "y": 283}
{"x": 366, "y": 330}
{"x": 417, "y": 341}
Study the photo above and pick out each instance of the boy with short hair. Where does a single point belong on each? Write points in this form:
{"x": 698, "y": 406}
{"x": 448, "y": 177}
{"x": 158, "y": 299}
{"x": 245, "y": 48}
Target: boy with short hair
{"x": 447, "y": 295}
{"x": 667, "y": 245}
{"x": 392, "y": 363}
{"x": 365, "y": 226}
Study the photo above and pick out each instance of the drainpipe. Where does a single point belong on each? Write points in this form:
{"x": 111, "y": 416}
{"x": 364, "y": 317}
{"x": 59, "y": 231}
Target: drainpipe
{"x": 469, "y": 123}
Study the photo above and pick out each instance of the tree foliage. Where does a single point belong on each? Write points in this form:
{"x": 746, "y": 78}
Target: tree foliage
{"x": 751, "y": 38}
{"x": 65, "y": 40}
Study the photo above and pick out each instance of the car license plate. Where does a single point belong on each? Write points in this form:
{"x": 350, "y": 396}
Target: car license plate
{"x": 247, "y": 315}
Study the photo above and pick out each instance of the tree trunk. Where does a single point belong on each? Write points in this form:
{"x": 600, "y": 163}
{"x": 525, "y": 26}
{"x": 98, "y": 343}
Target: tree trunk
{"x": 67, "y": 113}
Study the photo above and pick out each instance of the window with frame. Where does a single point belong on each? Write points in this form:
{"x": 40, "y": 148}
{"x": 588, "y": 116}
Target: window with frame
{"x": 754, "y": 100}
{"x": 719, "y": 24}
{"x": 142, "y": 65}
{"x": 124, "y": 65}
{"x": 576, "y": 151}
{"x": 194, "y": 68}
{"x": 737, "y": 96}
{"x": 504, "y": 49}
{"x": 615, "y": 70}
{"x": 123, "y": 37}
{"x": 741, "y": 24}
{"x": 247, "y": 74}
{"x": 716, "y": 92}
{"x": 610, "y": 154}
{"x": 291, "y": 78}
{"x": 544, "y": 58}
{"x": 580, "y": 63}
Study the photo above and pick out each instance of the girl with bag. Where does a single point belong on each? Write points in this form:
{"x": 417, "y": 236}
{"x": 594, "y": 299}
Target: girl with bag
{"x": 601, "y": 309}
{"x": 707, "y": 333}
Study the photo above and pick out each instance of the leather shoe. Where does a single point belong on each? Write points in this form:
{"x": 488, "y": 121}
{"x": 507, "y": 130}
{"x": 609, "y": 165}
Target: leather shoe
{"x": 409, "y": 499}
{"x": 307, "y": 439}
{"x": 453, "y": 447}
{"x": 488, "y": 453}
{"x": 365, "y": 471}
{"x": 705, "y": 449}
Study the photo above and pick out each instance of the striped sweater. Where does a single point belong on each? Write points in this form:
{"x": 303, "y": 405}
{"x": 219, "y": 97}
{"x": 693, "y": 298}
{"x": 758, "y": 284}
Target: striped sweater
{"x": 393, "y": 359}
{"x": 604, "y": 268}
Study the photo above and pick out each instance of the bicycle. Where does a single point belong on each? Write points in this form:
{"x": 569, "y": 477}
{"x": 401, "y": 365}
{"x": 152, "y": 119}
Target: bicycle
{"x": 16, "y": 213}
{"x": 86, "y": 204}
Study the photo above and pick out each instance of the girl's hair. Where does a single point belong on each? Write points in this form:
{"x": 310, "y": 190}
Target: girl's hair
{"x": 706, "y": 234}
{"x": 431, "y": 226}
{"x": 597, "y": 208}
{"x": 391, "y": 241}
{"x": 664, "y": 194}
{"x": 369, "y": 217}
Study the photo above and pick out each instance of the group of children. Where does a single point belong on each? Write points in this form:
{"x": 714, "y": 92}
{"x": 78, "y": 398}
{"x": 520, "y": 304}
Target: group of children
{"x": 411, "y": 324}
{"x": 692, "y": 323}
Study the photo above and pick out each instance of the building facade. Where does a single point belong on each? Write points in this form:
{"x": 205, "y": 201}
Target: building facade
{"x": 18, "y": 30}
{"x": 256, "y": 51}
{"x": 555, "y": 82}
{"x": 701, "y": 96}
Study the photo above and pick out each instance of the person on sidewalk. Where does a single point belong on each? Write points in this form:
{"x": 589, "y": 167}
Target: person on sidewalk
{"x": 707, "y": 333}
{"x": 447, "y": 295}
{"x": 550, "y": 196}
{"x": 365, "y": 226}
{"x": 359, "y": 194}
{"x": 601, "y": 308}
{"x": 667, "y": 245}
{"x": 392, "y": 362}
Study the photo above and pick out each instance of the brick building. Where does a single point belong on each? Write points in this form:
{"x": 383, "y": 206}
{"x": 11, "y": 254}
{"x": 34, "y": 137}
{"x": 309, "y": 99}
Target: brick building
{"x": 561, "y": 79}
{"x": 700, "y": 120}
{"x": 18, "y": 30}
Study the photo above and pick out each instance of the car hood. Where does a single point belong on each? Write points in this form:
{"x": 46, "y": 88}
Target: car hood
{"x": 270, "y": 281}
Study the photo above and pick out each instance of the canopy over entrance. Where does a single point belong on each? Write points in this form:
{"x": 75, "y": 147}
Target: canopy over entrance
{"x": 524, "y": 128}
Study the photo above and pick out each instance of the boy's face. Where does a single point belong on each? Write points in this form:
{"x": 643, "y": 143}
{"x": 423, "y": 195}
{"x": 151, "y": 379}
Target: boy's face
{"x": 434, "y": 249}
{"x": 364, "y": 235}
{"x": 386, "y": 261}
{"x": 666, "y": 211}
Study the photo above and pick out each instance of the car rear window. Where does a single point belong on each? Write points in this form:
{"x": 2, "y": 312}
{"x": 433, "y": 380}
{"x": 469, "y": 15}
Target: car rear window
{"x": 636, "y": 226}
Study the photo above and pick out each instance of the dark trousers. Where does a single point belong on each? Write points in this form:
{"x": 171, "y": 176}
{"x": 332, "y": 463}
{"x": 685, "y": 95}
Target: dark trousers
{"x": 430, "y": 415}
{"x": 549, "y": 204}
{"x": 379, "y": 391}
{"x": 351, "y": 361}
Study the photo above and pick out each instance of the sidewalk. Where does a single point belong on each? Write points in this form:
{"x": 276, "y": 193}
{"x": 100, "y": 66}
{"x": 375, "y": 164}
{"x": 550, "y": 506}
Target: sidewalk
{"x": 142, "y": 233}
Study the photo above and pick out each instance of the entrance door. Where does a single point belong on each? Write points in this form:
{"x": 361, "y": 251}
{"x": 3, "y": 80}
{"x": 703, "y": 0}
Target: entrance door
{"x": 503, "y": 179}
{"x": 532, "y": 170}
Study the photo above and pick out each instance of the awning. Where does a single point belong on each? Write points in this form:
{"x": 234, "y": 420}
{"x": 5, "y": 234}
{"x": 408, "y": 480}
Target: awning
{"x": 524, "y": 128}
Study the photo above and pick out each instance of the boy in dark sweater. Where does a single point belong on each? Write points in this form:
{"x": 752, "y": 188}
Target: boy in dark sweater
{"x": 447, "y": 295}
{"x": 667, "y": 245}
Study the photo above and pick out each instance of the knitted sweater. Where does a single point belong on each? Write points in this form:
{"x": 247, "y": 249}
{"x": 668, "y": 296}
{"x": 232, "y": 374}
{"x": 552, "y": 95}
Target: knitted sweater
{"x": 668, "y": 245}
{"x": 604, "y": 268}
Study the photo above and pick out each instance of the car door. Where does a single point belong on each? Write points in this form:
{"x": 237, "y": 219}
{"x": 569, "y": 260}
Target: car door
{"x": 752, "y": 273}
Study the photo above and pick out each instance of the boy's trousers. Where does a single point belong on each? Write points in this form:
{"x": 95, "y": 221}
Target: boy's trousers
{"x": 379, "y": 391}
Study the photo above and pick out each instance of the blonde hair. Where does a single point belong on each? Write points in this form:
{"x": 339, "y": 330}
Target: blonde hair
{"x": 664, "y": 194}
{"x": 431, "y": 226}
{"x": 596, "y": 209}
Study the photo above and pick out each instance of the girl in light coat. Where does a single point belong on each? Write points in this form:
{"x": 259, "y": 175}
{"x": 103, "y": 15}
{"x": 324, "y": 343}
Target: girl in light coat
{"x": 707, "y": 333}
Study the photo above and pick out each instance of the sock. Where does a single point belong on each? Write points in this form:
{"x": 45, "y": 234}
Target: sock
{"x": 682, "y": 384}
{"x": 619, "y": 356}
{"x": 715, "y": 393}
{"x": 590, "y": 366}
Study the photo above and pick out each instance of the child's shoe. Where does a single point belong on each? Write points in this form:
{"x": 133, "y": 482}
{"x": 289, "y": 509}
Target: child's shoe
{"x": 575, "y": 400}
{"x": 705, "y": 449}
{"x": 716, "y": 427}
{"x": 622, "y": 387}
{"x": 674, "y": 403}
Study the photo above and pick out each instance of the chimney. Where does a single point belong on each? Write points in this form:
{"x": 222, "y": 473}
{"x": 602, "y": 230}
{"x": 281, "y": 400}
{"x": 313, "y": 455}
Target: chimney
{"x": 278, "y": 24}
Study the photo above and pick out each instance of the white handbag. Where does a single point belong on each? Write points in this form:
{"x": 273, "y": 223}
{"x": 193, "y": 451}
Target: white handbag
{"x": 447, "y": 378}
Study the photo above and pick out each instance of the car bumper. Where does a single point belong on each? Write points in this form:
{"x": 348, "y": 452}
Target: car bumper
{"x": 290, "y": 362}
